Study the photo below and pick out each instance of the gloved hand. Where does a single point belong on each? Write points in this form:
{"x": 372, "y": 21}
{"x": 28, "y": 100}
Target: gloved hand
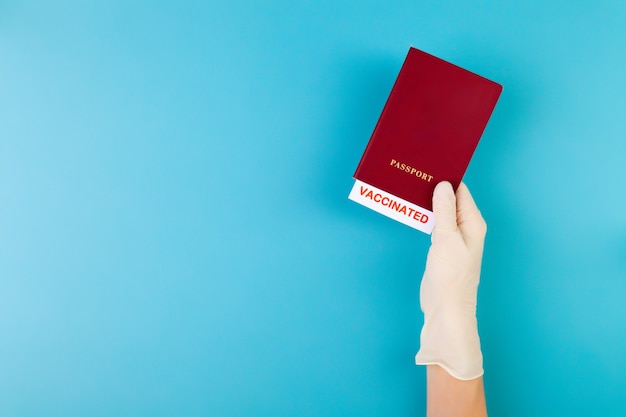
{"x": 450, "y": 285}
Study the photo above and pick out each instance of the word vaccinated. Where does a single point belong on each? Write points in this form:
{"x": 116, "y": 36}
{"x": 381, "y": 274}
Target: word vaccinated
{"x": 394, "y": 205}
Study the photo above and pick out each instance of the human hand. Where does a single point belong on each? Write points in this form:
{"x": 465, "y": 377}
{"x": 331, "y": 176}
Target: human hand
{"x": 450, "y": 285}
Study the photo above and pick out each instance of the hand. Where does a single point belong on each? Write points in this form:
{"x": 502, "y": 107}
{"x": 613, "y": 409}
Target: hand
{"x": 450, "y": 285}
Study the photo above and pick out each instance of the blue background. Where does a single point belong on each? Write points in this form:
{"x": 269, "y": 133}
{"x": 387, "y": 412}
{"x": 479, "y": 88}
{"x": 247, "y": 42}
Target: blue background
{"x": 175, "y": 233}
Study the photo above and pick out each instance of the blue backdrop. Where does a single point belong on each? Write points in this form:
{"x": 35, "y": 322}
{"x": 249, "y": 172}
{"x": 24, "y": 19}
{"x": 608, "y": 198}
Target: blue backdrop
{"x": 175, "y": 233}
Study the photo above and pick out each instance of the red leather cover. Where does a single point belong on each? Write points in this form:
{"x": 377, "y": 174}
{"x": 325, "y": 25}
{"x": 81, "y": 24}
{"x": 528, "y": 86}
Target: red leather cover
{"x": 429, "y": 128}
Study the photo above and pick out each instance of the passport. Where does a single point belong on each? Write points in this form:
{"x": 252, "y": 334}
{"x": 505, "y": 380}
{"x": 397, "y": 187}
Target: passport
{"x": 427, "y": 133}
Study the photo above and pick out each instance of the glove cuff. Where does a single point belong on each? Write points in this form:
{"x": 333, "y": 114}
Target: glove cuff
{"x": 452, "y": 343}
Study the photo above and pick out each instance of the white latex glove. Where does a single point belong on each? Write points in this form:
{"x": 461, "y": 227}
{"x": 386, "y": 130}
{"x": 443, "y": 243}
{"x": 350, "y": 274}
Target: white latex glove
{"x": 450, "y": 285}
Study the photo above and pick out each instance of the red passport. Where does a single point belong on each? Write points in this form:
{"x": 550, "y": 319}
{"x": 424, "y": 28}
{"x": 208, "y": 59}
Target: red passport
{"x": 427, "y": 132}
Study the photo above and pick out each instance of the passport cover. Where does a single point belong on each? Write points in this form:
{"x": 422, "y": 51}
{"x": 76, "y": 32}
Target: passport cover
{"x": 427, "y": 132}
